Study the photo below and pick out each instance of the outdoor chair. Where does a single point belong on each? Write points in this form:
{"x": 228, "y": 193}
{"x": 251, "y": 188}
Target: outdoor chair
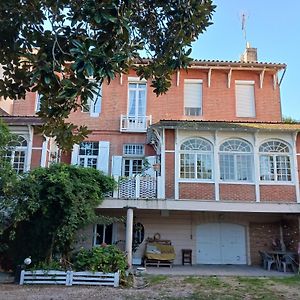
{"x": 288, "y": 260}
{"x": 267, "y": 260}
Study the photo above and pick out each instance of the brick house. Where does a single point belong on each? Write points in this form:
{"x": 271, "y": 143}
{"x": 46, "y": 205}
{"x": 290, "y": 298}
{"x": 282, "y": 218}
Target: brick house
{"x": 209, "y": 165}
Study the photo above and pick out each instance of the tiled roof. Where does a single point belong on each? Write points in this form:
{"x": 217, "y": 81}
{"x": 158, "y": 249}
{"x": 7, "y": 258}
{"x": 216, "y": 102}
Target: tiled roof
{"x": 228, "y": 125}
{"x": 228, "y": 63}
{"x": 3, "y": 112}
{"x": 22, "y": 120}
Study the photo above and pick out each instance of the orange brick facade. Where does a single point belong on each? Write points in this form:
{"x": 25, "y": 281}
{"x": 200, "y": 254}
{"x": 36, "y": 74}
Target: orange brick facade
{"x": 278, "y": 193}
{"x": 237, "y": 192}
{"x": 197, "y": 191}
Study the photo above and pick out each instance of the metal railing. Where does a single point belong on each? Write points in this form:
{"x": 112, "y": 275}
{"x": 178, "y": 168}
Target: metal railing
{"x": 137, "y": 187}
{"x": 135, "y": 123}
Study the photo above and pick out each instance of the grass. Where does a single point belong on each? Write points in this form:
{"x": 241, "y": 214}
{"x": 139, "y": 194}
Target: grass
{"x": 227, "y": 288}
{"x": 156, "y": 279}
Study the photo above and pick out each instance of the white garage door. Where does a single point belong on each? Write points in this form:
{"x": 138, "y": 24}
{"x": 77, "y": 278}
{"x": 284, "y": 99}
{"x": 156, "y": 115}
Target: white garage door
{"x": 221, "y": 243}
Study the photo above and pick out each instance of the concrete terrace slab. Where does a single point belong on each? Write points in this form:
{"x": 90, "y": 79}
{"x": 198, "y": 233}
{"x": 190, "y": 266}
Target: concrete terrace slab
{"x": 215, "y": 270}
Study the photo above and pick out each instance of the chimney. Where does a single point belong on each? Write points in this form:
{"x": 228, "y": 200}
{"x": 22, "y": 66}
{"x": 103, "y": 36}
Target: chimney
{"x": 250, "y": 54}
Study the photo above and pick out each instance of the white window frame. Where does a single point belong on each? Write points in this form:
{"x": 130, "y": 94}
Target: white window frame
{"x": 196, "y": 153}
{"x": 133, "y": 80}
{"x": 137, "y": 150}
{"x": 37, "y": 102}
{"x": 246, "y": 83}
{"x": 90, "y": 106}
{"x": 86, "y": 157}
{"x": 234, "y": 155}
{"x": 193, "y": 81}
{"x": 131, "y": 161}
{"x": 15, "y": 149}
{"x": 104, "y": 234}
{"x": 273, "y": 155}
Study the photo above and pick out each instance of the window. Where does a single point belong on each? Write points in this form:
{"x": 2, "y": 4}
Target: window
{"x": 244, "y": 94}
{"x": 38, "y": 102}
{"x": 196, "y": 159}
{"x": 192, "y": 97}
{"x": 133, "y": 149}
{"x": 16, "y": 154}
{"x": 275, "y": 161}
{"x": 132, "y": 167}
{"x": 93, "y": 105}
{"x": 103, "y": 234}
{"x": 236, "y": 161}
{"x": 88, "y": 154}
{"x": 137, "y": 100}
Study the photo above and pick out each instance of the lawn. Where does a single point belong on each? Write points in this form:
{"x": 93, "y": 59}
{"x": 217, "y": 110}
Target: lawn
{"x": 168, "y": 287}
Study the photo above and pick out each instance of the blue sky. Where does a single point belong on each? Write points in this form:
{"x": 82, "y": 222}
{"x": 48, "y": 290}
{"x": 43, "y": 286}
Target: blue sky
{"x": 272, "y": 26}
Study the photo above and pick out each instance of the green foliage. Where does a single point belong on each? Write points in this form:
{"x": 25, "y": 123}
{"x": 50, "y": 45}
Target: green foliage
{"x": 105, "y": 259}
{"x": 289, "y": 120}
{"x": 47, "y": 266}
{"x": 51, "y": 205}
{"x": 90, "y": 39}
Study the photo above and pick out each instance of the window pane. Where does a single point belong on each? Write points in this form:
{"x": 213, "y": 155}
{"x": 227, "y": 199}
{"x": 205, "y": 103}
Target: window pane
{"x": 192, "y": 98}
{"x": 283, "y": 168}
{"x": 204, "y": 166}
{"x": 266, "y": 168}
{"x": 187, "y": 165}
{"x": 227, "y": 167}
{"x": 244, "y": 167}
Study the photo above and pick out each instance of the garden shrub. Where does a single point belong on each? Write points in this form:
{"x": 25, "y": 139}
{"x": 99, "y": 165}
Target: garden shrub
{"x": 107, "y": 259}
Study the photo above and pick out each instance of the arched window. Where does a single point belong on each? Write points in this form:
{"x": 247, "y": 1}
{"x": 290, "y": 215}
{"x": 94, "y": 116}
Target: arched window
{"x": 236, "y": 161}
{"x": 275, "y": 161}
{"x": 196, "y": 159}
{"x": 16, "y": 154}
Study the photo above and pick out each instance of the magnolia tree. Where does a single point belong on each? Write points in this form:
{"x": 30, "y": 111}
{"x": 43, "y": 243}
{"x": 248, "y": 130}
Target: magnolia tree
{"x": 48, "y": 208}
{"x": 63, "y": 48}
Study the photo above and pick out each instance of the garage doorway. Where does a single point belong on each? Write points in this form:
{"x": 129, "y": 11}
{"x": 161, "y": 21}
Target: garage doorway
{"x": 221, "y": 243}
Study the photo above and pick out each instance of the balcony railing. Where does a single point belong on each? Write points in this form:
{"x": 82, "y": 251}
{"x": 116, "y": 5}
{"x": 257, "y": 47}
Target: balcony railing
{"x": 138, "y": 187}
{"x": 135, "y": 123}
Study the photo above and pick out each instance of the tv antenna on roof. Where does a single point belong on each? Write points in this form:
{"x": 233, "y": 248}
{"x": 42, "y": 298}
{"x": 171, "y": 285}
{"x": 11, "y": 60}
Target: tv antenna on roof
{"x": 244, "y": 19}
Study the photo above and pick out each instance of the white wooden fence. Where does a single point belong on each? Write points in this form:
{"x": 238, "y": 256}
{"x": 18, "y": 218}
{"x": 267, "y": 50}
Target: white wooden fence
{"x": 69, "y": 278}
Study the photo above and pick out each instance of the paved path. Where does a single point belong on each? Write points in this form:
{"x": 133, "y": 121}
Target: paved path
{"x": 216, "y": 270}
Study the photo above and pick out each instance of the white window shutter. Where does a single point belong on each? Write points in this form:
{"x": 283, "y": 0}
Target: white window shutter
{"x": 193, "y": 95}
{"x": 116, "y": 168}
{"x": 74, "y": 156}
{"x": 151, "y": 160}
{"x": 245, "y": 104}
{"x": 103, "y": 157}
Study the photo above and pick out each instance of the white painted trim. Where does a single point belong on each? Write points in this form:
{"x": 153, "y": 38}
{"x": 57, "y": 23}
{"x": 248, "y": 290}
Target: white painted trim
{"x": 170, "y": 151}
{"x": 37, "y": 148}
{"x": 44, "y": 152}
{"x": 193, "y": 81}
{"x": 163, "y": 164}
{"x": 261, "y": 182}
{"x": 275, "y": 79}
{"x": 136, "y": 79}
{"x": 216, "y": 166}
{"x": 256, "y": 167}
{"x": 209, "y": 77}
{"x": 248, "y": 250}
{"x": 238, "y": 182}
{"x": 121, "y": 79}
{"x": 195, "y": 180}
{"x": 196, "y": 205}
{"x": 229, "y": 78}
{"x": 244, "y": 82}
{"x": 177, "y": 78}
{"x": 261, "y": 78}
{"x": 29, "y": 148}
{"x": 294, "y": 166}
{"x": 176, "y": 168}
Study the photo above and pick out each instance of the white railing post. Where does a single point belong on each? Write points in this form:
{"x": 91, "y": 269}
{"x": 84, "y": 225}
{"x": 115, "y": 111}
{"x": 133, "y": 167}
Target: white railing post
{"x": 117, "y": 279}
{"x": 69, "y": 278}
{"x": 137, "y": 186}
{"x": 22, "y": 277}
{"x": 116, "y": 190}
